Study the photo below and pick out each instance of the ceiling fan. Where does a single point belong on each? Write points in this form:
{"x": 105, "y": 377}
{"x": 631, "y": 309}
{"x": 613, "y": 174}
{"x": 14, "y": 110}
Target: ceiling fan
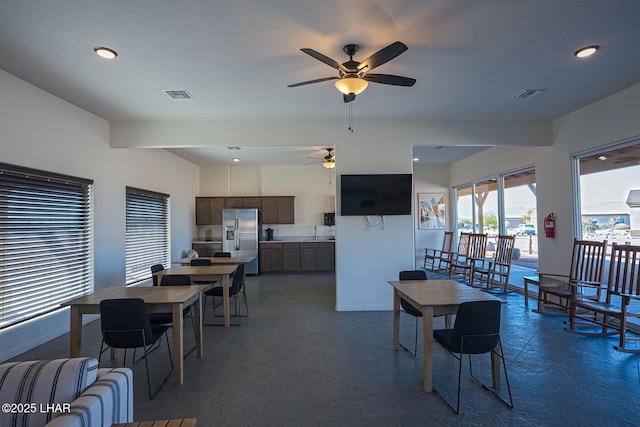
{"x": 354, "y": 77}
{"x": 328, "y": 161}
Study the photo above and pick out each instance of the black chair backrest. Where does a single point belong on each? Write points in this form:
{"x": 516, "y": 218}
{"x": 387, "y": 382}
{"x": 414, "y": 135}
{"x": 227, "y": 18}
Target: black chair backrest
{"x": 201, "y": 261}
{"x": 412, "y": 275}
{"x": 222, "y": 255}
{"x": 125, "y": 322}
{"x": 238, "y": 280}
{"x": 154, "y": 269}
{"x": 176, "y": 280}
{"x": 478, "y": 322}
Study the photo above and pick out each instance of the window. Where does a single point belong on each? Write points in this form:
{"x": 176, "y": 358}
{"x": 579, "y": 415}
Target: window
{"x": 147, "y": 236}
{"x": 610, "y": 194}
{"x": 46, "y": 241}
{"x": 503, "y": 204}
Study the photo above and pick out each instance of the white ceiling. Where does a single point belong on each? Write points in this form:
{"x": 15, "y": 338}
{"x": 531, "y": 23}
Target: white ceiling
{"x": 236, "y": 59}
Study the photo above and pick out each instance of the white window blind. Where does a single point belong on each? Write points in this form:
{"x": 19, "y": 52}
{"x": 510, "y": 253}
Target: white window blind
{"x": 46, "y": 241}
{"x": 147, "y": 240}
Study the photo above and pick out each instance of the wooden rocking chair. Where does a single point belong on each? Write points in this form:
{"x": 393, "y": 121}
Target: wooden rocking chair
{"x": 433, "y": 256}
{"x": 614, "y": 308}
{"x": 494, "y": 272}
{"x": 462, "y": 262}
{"x": 587, "y": 268}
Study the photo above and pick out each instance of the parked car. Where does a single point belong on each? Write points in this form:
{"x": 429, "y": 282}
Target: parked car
{"x": 526, "y": 230}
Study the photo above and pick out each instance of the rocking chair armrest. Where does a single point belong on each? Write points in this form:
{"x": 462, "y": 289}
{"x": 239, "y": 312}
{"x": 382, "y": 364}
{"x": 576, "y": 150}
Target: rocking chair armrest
{"x": 588, "y": 284}
{"x": 541, "y": 275}
{"x": 626, "y": 297}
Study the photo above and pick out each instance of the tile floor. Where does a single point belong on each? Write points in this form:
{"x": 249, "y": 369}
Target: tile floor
{"x": 296, "y": 361}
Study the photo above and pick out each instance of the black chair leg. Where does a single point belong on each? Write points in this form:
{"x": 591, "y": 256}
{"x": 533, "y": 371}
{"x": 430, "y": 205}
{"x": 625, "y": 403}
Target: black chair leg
{"x": 415, "y": 343}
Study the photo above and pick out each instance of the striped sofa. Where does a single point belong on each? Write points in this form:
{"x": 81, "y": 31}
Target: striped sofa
{"x": 64, "y": 392}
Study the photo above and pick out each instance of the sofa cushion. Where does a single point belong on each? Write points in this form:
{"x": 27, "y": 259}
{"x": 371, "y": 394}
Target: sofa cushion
{"x": 42, "y": 389}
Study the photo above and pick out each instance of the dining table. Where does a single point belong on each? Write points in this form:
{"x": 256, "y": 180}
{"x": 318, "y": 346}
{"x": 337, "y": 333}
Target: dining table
{"x": 435, "y": 298}
{"x": 215, "y": 272}
{"x": 158, "y": 299}
{"x": 218, "y": 260}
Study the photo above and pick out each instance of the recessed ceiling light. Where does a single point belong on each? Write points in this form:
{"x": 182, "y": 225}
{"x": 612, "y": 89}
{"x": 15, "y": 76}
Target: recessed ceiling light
{"x": 415, "y": 159}
{"x": 586, "y": 51}
{"x": 235, "y": 159}
{"x": 105, "y": 52}
{"x": 603, "y": 157}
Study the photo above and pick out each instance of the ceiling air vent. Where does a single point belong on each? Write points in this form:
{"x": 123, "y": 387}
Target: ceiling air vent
{"x": 528, "y": 93}
{"x": 178, "y": 94}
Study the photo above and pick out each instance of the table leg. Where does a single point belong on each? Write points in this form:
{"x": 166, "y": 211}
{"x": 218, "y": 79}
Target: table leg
{"x": 225, "y": 299}
{"x": 75, "y": 331}
{"x": 427, "y": 338}
{"x": 198, "y": 319}
{"x": 396, "y": 320}
{"x": 178, "y": 345}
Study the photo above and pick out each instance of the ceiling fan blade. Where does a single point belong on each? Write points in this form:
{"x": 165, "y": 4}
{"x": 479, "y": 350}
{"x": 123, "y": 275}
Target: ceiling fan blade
{"x": 389, "y": 79}
{"x": 348, "y": 98}
{"x": 383, "y": 55}
{"x": 308, "y": 82}
{"x": 323, "y": 58}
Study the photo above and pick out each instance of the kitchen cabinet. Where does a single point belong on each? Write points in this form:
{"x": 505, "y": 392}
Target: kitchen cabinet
{"x": 303, "y": 257}
{"x": 273, "y": 209}
{"x": 278, "y": 210}
{"x": 209, "y": 210}
{"x": 290, "y": 257}
{"x": 271, "y": 258}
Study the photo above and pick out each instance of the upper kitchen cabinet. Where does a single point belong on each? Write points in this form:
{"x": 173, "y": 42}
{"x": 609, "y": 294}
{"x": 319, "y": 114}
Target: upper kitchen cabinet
{"x": 278, "y": 210}
{"x": 273, "y": 209}
{"x": 209, "y": 210}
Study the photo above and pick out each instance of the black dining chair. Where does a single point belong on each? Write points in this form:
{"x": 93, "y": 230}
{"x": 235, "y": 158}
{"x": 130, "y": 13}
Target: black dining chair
{"x": 222, "y": 255}
{"x": 159, "y": 318}
{"x": 181, "y": 280}
{"x": 234, "y": 292}
{"x": 411, "y": 310}
{"x": 125, "y": 324}
{"x": 476, "y": 331}
{"x": 202, "y": 261}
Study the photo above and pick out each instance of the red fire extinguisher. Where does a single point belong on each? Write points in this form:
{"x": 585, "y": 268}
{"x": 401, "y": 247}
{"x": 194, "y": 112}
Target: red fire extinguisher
{"x": 550, "y": 226}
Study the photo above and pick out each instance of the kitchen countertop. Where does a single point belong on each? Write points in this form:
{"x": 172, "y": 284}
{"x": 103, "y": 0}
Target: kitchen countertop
{"x": 301, "y": 240}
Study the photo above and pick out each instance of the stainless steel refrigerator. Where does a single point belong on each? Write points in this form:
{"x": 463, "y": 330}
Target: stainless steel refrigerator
{"x": 240, "y": 236}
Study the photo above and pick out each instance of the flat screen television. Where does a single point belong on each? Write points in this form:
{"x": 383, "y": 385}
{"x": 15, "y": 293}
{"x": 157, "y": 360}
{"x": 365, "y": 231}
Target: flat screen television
{"x": 382, "y": 194}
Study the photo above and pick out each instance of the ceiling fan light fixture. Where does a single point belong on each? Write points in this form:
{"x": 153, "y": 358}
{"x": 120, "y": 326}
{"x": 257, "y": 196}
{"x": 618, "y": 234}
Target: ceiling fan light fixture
{"x": 351, "y": 84}
{"x": 329, "y": 164}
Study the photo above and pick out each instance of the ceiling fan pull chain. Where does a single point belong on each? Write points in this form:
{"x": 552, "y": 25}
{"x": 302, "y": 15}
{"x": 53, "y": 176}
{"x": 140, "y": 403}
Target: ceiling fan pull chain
{"x": 351, "y": 117}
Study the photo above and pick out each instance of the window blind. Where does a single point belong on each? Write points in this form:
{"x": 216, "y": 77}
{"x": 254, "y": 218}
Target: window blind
{"x": 46, "y": 241}
{"x": 147, "y": 236}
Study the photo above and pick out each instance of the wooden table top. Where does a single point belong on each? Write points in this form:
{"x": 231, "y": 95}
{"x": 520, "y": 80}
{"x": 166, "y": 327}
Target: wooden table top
{"x": 218, "y": 260}
{"x": 150, "y": 294}
{"x": 199, "y": 270}
{"x": 439, "y": 292}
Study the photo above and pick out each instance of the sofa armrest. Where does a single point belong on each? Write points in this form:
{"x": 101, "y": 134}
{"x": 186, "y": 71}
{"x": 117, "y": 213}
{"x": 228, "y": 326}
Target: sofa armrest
{"x": 108, "y": 401}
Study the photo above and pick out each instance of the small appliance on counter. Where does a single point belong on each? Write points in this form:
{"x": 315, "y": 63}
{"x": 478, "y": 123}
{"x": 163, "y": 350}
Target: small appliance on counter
{"x": 330, "y": 218}
{"x": 268, "y": 233}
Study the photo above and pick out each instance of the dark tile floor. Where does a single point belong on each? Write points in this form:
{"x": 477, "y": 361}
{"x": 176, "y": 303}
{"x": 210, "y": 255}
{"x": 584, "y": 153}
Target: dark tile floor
{"x": 296, "y": 361}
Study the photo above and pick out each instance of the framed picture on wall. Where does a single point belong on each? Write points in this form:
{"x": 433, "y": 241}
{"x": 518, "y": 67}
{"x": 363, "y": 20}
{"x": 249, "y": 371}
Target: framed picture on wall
{"x": 431, "y": 211}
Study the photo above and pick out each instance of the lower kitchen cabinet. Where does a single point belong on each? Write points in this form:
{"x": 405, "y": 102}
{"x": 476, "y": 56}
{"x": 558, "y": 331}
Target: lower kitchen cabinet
{"x": 290, "y": 257}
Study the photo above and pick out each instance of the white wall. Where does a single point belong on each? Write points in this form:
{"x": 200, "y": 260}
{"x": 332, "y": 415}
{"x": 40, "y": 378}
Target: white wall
{"x": 44, "y": 132}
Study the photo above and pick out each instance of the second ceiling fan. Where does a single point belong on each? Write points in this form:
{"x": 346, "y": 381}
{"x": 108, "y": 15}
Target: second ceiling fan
{"x": 354, "y": 76}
